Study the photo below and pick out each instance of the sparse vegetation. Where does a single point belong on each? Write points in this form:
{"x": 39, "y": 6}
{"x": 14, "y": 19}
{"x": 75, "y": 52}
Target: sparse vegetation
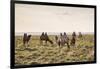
{"x": 46, "y": 54}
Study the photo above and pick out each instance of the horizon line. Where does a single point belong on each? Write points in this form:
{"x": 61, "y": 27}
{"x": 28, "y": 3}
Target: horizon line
{"x": 50, "y": 33}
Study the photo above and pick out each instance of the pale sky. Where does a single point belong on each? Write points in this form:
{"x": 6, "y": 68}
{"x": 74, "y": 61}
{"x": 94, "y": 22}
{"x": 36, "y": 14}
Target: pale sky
{"x": 42, "y": 18}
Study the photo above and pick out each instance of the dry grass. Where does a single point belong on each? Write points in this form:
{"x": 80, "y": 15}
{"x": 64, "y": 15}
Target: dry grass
{"x": 47, "y": 54}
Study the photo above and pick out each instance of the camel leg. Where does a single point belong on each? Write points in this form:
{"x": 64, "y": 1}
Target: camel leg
{"x": 23, "y": 43}
{"x": 68, "y": 45}
{"x": 46, "y": 42}
{"x": 26, "y": 44}
{"x": 59, "y": 44}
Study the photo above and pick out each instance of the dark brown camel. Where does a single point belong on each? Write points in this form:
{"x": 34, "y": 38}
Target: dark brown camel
{"x": 26, "y": 39}
{"x": 44, "y": 37}
{"x": 73, "y": 41}
{"x": 74, "y": 34}
{"x": 80, "y": 35}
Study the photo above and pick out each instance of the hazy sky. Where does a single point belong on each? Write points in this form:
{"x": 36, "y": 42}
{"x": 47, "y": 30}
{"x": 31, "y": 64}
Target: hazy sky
{"x": 40, "y": 18}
